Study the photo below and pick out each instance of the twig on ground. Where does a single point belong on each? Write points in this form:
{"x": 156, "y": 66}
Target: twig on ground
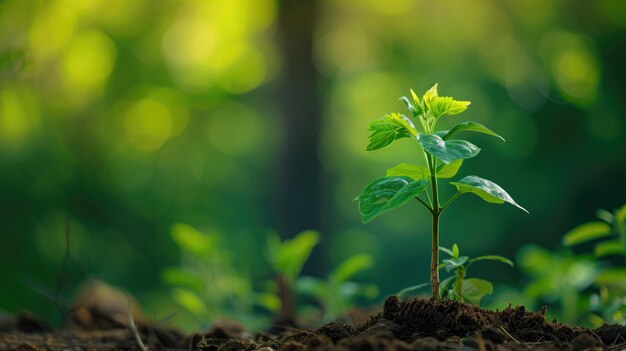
{"x": 509, "y": 335}
{"x": 481, "y": 342}
{"x": 133, "y": 327}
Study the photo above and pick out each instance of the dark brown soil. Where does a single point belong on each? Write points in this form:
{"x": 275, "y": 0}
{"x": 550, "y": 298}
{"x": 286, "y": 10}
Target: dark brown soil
{"x": 402, "y": 326}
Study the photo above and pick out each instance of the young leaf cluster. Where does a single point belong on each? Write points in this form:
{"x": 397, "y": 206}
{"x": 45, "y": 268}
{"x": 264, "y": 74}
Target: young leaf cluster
{"x": 444, "y": 156}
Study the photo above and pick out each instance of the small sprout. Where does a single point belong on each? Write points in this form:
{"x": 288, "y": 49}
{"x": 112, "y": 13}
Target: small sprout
{"x": 443, "y": 158}
{"x": 458, "y": 287}
{"x": 462, "y": 288}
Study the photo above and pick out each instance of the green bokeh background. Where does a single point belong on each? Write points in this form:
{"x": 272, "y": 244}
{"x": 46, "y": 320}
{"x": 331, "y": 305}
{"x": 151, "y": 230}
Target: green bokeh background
{"x": 123, "y": 117}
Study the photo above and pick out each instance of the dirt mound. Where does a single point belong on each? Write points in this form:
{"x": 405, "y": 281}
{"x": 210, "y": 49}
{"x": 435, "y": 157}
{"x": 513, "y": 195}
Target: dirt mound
{"x": 416, "y": 324}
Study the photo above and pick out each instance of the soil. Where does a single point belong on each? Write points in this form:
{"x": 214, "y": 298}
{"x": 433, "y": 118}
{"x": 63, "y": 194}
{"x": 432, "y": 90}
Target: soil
{"x": 415, "y": 324}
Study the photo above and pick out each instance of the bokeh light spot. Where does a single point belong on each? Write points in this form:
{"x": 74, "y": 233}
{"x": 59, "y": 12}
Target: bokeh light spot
{"x": 575, "y": 66}
{"x": 148, "y": 124}
{"x": 578, "y": 75}
{"x": 19, "y": 116}
{"x": 52, "y": 31}
{"x": 246, "y": 71}
{"x": 87, "y": 65}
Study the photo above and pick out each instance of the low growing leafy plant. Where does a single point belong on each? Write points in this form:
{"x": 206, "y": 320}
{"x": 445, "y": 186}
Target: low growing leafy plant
{"x": 337, "y": 294}
{"x": 608, "y": 236}
{"x": 287, "y": 259}
{"x": 443, "y": 157}
{"x": 458, "y": 286}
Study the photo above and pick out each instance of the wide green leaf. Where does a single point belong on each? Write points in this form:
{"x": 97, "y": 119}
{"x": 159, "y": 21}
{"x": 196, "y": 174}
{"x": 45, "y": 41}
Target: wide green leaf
{"x": 447, "y": 151}
{"x": 620, "y": 215}
{"x": 288, "y": 257}
{"x": 449, "y": 170}
{"x": 387, "y": 193}
{"x": 475, "y": 289}
{"x": 351, "y": 266}
{"x": 608, "y": 248}
{"x": 409, "y": 170}
{"x": 470, "y": 127}
{"x": 451, "y": 264}
{"x": 193, "y": 241}
{"x": 586, "y": 232}
{"x": 612, "y": 276}
{"x": 493, "y": 258}
{"x": 389, "y": 128}
{"x": 486, "y": 189}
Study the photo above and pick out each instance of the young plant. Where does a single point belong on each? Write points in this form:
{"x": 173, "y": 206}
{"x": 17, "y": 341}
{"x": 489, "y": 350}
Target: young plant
{"x": 470, "y": 290}
{"x": 287, "y": 259}
{"x": 559, "y": 279}
{"x": 443, "y": 157}
{"x": 608, "y": 236}
{"x": 466, "y": 289}
{"x": 206, "y": 284}
{"x": 609, "y": 233}
{"x": 337, "y": 294}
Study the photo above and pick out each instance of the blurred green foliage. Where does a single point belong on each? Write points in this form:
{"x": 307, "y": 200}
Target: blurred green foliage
{"x": 124, "y": 117}
{"x": 580, "y": 287}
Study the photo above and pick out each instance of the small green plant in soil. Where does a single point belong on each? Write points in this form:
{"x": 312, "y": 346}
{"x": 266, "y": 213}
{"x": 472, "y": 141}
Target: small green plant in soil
{"x": 458, "y": 287}
{"x": 337, "y": 294}
{"x": 443, "y": 156}
{"x": 206, "y": 284}
{"x": 560, "y": 279}
{"x": 287, "y": 259}
{"x": 608, "y": 238}
{"x": 608, "y": 233}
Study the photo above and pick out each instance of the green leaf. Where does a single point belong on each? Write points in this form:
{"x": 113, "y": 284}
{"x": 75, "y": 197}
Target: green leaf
{"x": 608, "y": 248}
{"x": 455, "y": 250}
{"x": 449, "y": 170}
{"x": 486, "y": 189}
{"x": 446, "y": 250}
{"x": 612, "y": 276}
{"x": 389, "y": 128}
{"x": 475, "y": 289}
{"x": 493, "y": 258}
{"x": 586, "y": 232}
{"x": 470, "y": 127}
{"x": 190, "y": 301}
{"x": 620, "y": 214}
{"x": 415, "y": 110}
{"x": 430, "y": 96}
{"x": 444, "y": 105}
{"x": 191, "y": 240}
{"x": 409, "y": 170}
{"x": 177, "y": 276}
{"x": 453, "y": 263}
{"x": 411, "y": 289}
{"x": 447, "y": 151}
{"x": 387, "y": 193}
{"x": 351, "y": 266}
{"x": 269, "y": 301}
{"x": 444, "y": 284}
{"x": 288, "y": 257}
